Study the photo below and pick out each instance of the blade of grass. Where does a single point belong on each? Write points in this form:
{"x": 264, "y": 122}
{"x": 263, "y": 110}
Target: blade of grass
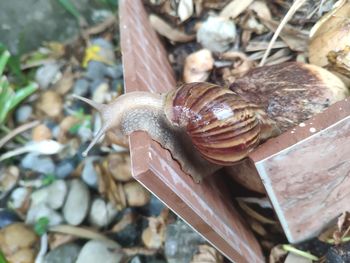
{"x": 2, "y": 258}
{"x": 22, "y": 93}
{"x": 3, "y": 61}
{"x": 70, "y": 7}
{"x": 299, "y": 252}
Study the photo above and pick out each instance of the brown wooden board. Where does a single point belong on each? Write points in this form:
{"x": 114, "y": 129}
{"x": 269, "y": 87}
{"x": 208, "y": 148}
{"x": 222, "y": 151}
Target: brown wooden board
{"x": 207, "y": 207}
{"x": 306, "y": 172}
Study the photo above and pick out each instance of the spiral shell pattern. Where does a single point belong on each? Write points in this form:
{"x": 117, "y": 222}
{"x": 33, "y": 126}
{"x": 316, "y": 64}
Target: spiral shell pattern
{"x": 223, "y": 127}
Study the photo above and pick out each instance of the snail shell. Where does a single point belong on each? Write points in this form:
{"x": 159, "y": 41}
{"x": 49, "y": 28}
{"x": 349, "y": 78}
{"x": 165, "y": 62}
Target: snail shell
{"x": 223, "y": 127}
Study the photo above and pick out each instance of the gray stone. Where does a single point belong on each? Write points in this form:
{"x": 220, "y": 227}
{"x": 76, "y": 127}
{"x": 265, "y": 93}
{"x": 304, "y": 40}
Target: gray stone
{"x": 64, "y": 168}
{"x": 35, "y": 212}
{"x": 77, "y": 203}
{"x": 8, "y": 217}
{"x": 18, "y": 197}
{"x": 96, "y": 70}
{"x": 36, "y": 163}
{"x": 47, "y": 74}
{"x": 100, "y": 251}
{"x": 115, "y": 72}
{"x": 23, "y": 113}
{"x": 53, "y": 195}
{"x": 66, "y": 253}
{"x": 81, "y": 87}
{"x": 181, "y": 242}
{"x": 102, "y": 213}
{"x": 217, "y": 34}
{"x": 89, "y": 174}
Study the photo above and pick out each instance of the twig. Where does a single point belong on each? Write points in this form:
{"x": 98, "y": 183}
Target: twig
{"x": 43, "y": 248}
{"x": 299, "y": 252}
{"x": 17, "y": 131}
{"x": 139, "y": 250}
{"x": 296, "y": 5}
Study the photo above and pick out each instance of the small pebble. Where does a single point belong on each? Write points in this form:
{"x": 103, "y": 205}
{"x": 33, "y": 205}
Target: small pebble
{"x": 89, "y": 174}
{"x": 119, "y": 166}
{"x": 8, "y": 178}
{"x": 53, "y": 195}
{"x": 95, "y": 84}
{"x": 136, "y": 194}
{"x": 81, "y": 87}
{"x": 47, "y": 74}
{"x": 77, "y": 203}
{"x": 67, "y": 253}
{"x": 106, "y": 49}
{"x": 23, "y": 113}
{"x": 96, "y": 70}
{"x": 292, "y": 258}
{"x": 85, "y": 133}
{"x": 8, "y": 217}
{"x": 65, "y": 168}
{"x": 102, "y": 213}
{"x": 101, "y": 92}
{"x": 181, "y": 242}
{"x": 41, "y": 133}
{"x": 50, "y": 103}
{"x": 19, "y": 243}
{"x": 217, "y": 34}
{"x": 35, "y": 212}
{"x": 36, "y": 163}
{"x": 115, "y": 72}
{"x": 338, "y": 254}
{"x": 100, "y": 251}
{"x": 18, "y": 197}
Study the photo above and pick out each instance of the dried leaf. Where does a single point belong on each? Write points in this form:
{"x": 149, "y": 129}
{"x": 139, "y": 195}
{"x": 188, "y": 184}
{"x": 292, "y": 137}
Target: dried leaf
{"x": 261, "y": 45}
{"x": 255, "y": 214}
{"x": 79, "y": 232}
{"x": 277, "y": 254}
{"x": 235, "y": 8}
{"x": 166, "y": 30}
{"x": 154, "y": 235}
{"x": 261, "y": 9}
{"x": 207, "y": 254}
{"x": 281, "y": 26}
{"x": 185, "y": 9}
{"x": 296, "y": 39}
{"x": 57, "y": 239}
{"x": 126, "y": 220}
{"x": 110, "y": 189}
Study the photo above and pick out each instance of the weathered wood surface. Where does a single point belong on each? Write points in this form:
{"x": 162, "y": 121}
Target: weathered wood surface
{"x": 206, "y": 207}
{"x": 306, "y": 172}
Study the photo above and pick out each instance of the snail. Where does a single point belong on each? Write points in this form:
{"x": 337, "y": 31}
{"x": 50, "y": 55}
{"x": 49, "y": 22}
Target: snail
{"x": 222, "y": 127}
{"x": 205, "y": 126}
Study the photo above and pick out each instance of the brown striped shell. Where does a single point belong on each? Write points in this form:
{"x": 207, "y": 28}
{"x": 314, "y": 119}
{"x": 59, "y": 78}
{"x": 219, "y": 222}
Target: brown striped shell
{"x": 223, "y": 127}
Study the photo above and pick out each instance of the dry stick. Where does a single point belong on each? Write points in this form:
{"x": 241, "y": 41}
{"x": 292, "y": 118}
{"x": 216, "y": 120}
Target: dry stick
{"x": 17, "y": 131}
{"x": 296, "y": 5}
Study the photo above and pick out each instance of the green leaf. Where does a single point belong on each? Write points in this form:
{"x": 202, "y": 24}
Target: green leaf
{"x": 22, "y": 93}
{"x": 3, "y": 61}
{"x": 2, "y": 258}
{"x": 48, "y": 179}
{"x": 70, "y": 7}
{"x": 41, "y": 226}
{"x": 75, "y": 128}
